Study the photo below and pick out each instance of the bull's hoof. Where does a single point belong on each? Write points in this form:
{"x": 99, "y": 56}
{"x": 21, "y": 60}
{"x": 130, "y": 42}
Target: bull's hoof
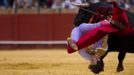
{"x": 99, "y": 67}
{"x": 120, "y": 68}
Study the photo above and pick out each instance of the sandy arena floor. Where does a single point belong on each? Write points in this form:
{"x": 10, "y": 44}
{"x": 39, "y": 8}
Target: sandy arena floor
{"x": 56, "y": 62}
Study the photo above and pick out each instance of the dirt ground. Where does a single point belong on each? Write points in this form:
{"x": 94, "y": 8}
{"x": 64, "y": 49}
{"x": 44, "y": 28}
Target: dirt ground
{"x": 56, "y": 62}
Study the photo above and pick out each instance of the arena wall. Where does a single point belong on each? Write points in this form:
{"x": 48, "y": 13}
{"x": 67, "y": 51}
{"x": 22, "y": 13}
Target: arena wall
{"x": 34, "y": 27}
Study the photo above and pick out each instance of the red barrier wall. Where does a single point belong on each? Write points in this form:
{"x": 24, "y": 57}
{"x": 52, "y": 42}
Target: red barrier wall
{"x": 6, "y": 27}
{"x": 32, "y": 27}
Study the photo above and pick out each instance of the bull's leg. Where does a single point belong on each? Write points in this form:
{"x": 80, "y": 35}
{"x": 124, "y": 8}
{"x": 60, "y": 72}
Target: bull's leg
{"x": 121, "y": 57}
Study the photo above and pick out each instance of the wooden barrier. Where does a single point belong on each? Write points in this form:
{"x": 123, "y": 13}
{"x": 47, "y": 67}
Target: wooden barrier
{"x": 35, "y": 27}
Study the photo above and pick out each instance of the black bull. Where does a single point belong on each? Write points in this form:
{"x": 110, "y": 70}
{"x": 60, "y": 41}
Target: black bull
{"x": 122, "y": 44}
